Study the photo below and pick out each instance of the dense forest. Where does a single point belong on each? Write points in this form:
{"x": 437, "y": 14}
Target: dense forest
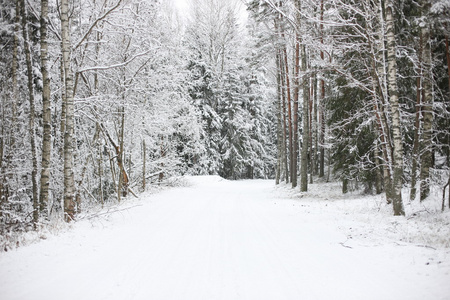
{"x": 100, "y": 99}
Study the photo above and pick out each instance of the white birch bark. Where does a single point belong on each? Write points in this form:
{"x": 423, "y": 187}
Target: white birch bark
{"x": 395, "y": 111}
{"x": 69, "y": 183}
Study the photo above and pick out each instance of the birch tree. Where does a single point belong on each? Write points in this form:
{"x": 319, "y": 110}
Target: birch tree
{"x": 69, "y": 181}
{"x": 395, "y": 110}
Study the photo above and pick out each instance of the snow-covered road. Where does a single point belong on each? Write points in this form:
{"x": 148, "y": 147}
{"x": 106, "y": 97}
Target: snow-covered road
{"x": 218, "y": 240}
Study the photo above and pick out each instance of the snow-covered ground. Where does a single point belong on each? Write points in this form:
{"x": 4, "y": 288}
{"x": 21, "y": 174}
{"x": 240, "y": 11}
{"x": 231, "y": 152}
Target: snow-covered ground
{"x": 219, "y": 239}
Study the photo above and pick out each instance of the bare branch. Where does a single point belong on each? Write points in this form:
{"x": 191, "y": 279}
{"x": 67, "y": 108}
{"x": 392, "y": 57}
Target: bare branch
{"x": 101, "y": 68}
{"x": 95, "y": 24}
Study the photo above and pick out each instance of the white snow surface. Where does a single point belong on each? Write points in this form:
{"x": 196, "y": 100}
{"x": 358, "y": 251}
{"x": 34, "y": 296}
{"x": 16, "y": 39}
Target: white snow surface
{"x": 219, "y": 239}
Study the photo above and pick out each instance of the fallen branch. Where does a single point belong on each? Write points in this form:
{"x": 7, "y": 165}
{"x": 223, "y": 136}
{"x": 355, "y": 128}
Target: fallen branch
{"x": 343, "y": 244}
{"x": 131, "y": 191}
{"x": 426, "y": 246}
{"x": 111, "y": 211}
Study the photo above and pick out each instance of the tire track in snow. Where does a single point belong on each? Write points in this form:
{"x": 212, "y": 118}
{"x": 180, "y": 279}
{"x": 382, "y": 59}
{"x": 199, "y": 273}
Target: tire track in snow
{"x": 215, "y": 240}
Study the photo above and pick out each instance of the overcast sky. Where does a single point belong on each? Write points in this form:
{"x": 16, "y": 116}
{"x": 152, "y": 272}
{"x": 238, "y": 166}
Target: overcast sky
{"x": 182, "y": 5}
{"x": 183, "y": 8}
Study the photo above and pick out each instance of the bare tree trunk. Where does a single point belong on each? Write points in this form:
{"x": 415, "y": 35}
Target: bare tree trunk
{"x": 283, "y": 101}
{"x": 447, "y": 54}
{"x": 46, "y": 113}
{"x": 163, "y": 154}
{"x": 32, "y": 112}
{"x": 123, "y": 178}
{"x": 415, "y": 154}
{"x": 395, "y": 111}
{"x": 294, "y": 156}
{"x": 100, "y": 174}
{"x": 15, "y": 60}
{"x": 69, "y": 181}
{"x": 289, "y": 112}
{"x": 144, "y": 160}
{"x": 427, "y": 109}
{"x": 62, "y": 124}
{"x": 322, "y": 104}
{"x": 378, "y": 168}
{"x": 315, "y": 134}
{"x": 279, "y": 127}
{"x": 311, "y": 128}
{"x": 305, "y": 133}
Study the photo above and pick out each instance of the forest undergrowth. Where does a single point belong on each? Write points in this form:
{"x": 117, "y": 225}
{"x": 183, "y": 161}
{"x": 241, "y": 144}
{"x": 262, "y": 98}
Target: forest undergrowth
{"x": 424, "y": 225}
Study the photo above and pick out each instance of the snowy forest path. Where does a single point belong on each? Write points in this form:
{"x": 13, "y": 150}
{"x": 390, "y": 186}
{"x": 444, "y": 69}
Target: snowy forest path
{"x": 216, "y": 239}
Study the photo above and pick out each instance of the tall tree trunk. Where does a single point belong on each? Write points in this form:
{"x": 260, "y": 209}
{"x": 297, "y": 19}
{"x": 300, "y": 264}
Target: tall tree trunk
{"x": 305, "y": 133}
{"x": 46, "y": 113}
{"x": 15, "y": 62}
{"x": 32, "y": 130}
{"x": 287, "y": 87}
{"x": 123, "y": 178}
{"x": 427, "y": 109}
{"x": 395, "y": 111}
{"x": 417, "y": 123}
{"x": 294, "y": 156}
{"x": 289, "y": 113}
{"x": 321, "y": 103}
{"x": 415, "y": 153}
{"x": 447, "y": 54}
{"x": 315, "y": 133}
{"x": 69, "y": 181}
{"x": 312, "y": 95}
{"x": 285, "y": 129}
{"x": 279, "y": 127}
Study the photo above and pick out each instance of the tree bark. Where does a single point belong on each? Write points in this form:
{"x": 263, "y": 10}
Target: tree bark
{"x": 447, "y": 54}
{"x": 312, "y": 123}
{"x": 123, "y": 179}
{"x": 69, "y": 181}
{"x": 321, "y": 103}
{"x": 46, "y": 113}
{"x": 279, "y": 127}
{"x": 427, "y": 109}
{"x": 315, "y": 133}
{"x": 31, "y": 119}
{"x": 378, "y": 168}
{"x": 395, "y": 111}
{"x": 305, "y": 133}
{"x": 289, "y": 113}
{"x": 285, "y": 130}
{"x": 415, "y": 154}
{"x": 144, "y": 160}
{"x": 295, "y": 142}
